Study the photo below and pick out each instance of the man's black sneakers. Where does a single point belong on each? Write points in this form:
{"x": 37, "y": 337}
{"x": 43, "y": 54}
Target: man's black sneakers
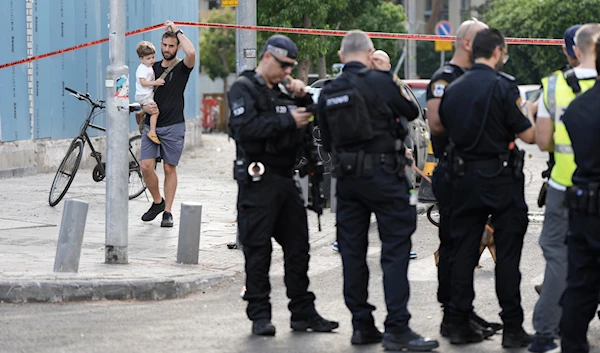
{"x": 154, "y": 211}
{"x": 167, "y": 220}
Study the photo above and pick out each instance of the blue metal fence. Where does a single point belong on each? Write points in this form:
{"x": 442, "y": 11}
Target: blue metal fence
{"x": 60, "y": 24}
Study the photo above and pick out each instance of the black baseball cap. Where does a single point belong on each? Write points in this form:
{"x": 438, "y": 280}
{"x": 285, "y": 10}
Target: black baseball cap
{"x": 569, "y": 37}
{"x": 281, "y": 46}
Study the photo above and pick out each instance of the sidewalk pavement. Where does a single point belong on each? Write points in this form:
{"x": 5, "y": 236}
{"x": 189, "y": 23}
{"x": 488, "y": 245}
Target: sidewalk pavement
{"x": 29, "y": 230}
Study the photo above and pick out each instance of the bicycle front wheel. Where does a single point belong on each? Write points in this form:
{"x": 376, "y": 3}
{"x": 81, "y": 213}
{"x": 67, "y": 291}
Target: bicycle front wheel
{"x": 66, "y": 172}
{"x": 136, "y": 180}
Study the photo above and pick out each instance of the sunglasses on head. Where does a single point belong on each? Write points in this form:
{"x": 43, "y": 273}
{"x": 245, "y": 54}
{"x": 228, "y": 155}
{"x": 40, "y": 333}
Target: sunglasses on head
{"x": 284, "y": 64}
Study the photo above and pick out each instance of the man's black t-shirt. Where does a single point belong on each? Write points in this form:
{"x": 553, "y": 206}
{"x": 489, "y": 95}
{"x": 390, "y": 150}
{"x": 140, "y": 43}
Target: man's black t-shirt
{"x": 440, "y": 79}
{"x": 462, "y": 112}
{"x": 169, "y": 97}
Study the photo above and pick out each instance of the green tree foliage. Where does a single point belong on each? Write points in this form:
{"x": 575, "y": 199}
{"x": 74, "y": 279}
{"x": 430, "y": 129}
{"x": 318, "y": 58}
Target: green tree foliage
{"x": 217, "y": 46}
{"x": 367, "y": 15}
{"x": 298, "y": 14}
{"x": 537, "y": 19}
{"x": 428, "y": 59}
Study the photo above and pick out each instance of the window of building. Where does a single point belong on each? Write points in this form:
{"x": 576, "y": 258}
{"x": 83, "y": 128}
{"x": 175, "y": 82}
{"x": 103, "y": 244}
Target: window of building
{"x": 214, "y": 4}
{"x": 443, "y": 9}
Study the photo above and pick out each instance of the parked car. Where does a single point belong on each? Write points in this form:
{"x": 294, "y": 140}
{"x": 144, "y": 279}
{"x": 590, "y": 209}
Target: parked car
{"x": 419, "y": 89}
{"x": 530, "y": 92}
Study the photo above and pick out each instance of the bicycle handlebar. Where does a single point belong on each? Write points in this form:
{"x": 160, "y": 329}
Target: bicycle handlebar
{"x": 82, "y": 96}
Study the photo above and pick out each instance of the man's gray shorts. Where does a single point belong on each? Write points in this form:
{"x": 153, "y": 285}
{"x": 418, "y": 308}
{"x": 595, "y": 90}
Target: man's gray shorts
{"x": 171, "y": 138}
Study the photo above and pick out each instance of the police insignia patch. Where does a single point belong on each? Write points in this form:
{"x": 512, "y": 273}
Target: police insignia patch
{"x": 237, "y": 107}
{"x": 521, "y": 106}
{"x": 438, "y": 88}
{"x": 405, "y": 94}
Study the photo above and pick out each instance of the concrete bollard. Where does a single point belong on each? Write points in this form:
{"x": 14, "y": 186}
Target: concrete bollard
{"x": 189, "y": 233}
{"x": 70, "y": 238}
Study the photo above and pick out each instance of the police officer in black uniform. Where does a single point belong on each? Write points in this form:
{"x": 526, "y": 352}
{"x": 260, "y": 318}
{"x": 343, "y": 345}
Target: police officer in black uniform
{"x": 482, "y": 115}
{"x": 363, "y": 118}
{"x": 442, "y": 189}
{"x": 269, "y": 131}
{"x": 580, "y": 300}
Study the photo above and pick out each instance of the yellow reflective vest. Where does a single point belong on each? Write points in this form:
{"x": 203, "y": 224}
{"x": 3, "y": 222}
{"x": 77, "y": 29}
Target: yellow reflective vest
{"x": 557, "y": 97}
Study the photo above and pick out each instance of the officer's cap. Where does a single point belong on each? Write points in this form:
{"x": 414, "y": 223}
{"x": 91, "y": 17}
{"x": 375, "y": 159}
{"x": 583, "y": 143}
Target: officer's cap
{"x": 281, "y": 46}
{"x": 569, "y": 37}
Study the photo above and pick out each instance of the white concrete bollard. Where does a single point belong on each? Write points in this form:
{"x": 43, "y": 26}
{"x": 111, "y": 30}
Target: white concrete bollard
{"x": 189, "y": 233}
{"x": 70, "y": 237}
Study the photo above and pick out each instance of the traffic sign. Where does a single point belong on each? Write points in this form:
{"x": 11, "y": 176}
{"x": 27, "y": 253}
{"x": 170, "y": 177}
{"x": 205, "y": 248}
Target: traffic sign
{"x": 442, "y": 45}
{"x": 443, "y": 28}
{"x": 229, "y": 3}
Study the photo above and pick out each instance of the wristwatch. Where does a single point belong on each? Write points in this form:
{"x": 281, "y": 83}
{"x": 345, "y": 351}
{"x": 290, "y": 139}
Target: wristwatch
{"x": 178, "y": 31}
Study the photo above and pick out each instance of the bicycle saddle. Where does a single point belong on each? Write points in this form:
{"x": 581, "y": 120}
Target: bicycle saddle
{"x": 135, "y": 107}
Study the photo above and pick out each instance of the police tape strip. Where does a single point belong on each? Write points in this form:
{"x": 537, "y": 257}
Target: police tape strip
{"x": 322, "y": 32}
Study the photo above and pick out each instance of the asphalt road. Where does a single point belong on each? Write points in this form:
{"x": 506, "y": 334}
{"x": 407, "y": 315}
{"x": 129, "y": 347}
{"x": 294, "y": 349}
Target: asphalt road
{"x": 215, "y": 321}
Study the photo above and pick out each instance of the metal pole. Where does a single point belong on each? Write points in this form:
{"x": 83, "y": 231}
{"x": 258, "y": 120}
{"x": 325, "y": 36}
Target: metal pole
{"x": 246, "y": 52}
{"x": 400, "y": 61}
{"x": 117, "y": 136}
{"x": 412, "y": 45}
{"x": 442, "y": 58}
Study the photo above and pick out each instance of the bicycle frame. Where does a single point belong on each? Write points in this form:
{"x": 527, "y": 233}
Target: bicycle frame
{"x": 83, "y": 135}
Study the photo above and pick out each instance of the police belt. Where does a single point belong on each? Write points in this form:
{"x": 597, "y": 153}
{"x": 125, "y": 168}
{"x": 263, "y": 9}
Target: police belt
{"x": 584, "y": 199}
{"x": 362, "y": 163}
{"x": 281, "y": 171}
{"x": 495, "y": 164}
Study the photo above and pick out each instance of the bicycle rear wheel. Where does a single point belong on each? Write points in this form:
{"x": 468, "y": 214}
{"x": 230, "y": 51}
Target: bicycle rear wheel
{"x": 136, "y": 180}
{"x": 66, "y": 172}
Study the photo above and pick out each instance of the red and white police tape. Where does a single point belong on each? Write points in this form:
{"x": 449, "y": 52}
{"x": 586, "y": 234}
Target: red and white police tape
{"x": 322, "y": 32}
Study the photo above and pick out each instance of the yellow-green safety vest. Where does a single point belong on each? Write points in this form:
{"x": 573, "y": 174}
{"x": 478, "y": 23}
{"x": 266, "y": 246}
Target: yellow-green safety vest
{"x": 557, "y": 97}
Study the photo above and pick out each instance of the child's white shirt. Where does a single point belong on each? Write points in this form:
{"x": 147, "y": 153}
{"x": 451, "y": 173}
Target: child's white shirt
{"x": 147, "y": 73}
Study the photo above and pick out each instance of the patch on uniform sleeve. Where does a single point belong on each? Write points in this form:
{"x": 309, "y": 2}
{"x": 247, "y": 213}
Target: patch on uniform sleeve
{"x": 238, "y": 106}
{"x": 405, "y": 94}
{"x": 438, "y": 88}
{"x": 521, "y": 106}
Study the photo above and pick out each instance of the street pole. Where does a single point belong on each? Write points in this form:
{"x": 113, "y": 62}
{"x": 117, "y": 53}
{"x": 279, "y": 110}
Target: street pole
{"x": 245, "y": 47}
{"x": 411, "y": 73}
{"x": 245, "y": 44}
{"x": 117, "y": 137}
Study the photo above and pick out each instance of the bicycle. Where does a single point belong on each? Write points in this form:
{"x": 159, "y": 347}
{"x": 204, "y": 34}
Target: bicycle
{"x": 70, "y": 164}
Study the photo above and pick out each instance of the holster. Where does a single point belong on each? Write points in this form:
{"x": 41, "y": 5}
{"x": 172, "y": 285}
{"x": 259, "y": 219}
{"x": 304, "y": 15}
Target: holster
{"x": 542, "y": 196}
{"x": 240, "y": 170}
{"x": 516, "y": 161}
{"x": 584, "y": 199}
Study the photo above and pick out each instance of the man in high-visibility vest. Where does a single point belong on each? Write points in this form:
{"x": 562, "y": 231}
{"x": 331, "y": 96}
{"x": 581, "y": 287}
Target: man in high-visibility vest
{"x": 560, "y": 89}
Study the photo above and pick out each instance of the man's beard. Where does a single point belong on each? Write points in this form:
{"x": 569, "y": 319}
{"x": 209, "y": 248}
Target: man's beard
{"x": 167, "y": 56}
{"x": 499, "y": 66}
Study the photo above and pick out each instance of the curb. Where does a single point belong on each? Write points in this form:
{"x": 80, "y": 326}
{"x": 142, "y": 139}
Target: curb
{"x": 147, "y": 289}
